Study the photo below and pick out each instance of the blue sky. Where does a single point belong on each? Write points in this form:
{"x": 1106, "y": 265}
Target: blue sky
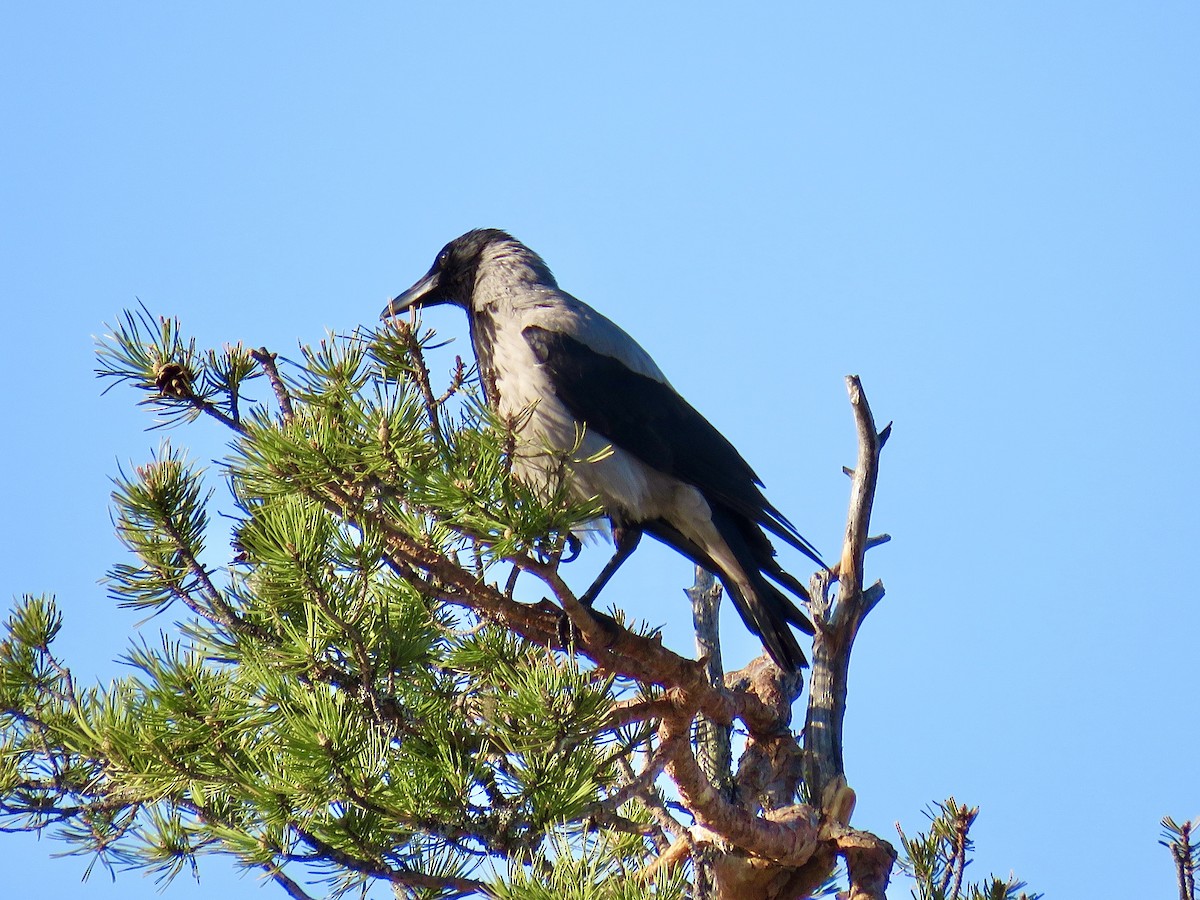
{"x": 989, "y": 212}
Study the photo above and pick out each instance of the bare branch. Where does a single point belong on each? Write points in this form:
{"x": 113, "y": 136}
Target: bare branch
{"x": 457, "y": 380}
{"x": 649, "y": 795}
{"x": 266, "y": 359}
{"x": 862, "y": 494}
{"x": 712, "y": 739}
{"x": 837, "y": 624}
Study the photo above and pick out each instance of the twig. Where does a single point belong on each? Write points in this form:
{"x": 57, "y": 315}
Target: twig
{"x": 1180, "y": 840}
{"x": 397, "y": 875}
{"x": 266, "y": 359}
{"x": 421, "y": 375}
{"x": 654, "y": 802}
{"x": 962, "y": 827}
{"x": 222, "y": 611}
{"x": 862, "y": 498}
{"x": 457, "y": 380}
{"x": 290, "y": 887}
{"x": 637, "y": 784}
{"x": 626, "y": 712}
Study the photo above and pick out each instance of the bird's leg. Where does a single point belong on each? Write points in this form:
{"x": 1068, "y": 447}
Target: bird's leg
{"x": 626, "y": 538}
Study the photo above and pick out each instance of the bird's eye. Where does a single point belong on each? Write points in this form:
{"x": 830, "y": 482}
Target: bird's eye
{"x": 443, "y": 257}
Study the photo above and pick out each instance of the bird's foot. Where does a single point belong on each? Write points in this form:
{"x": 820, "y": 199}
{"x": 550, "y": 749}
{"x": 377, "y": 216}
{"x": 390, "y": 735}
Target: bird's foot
{"x": 573, "y": 548}
{"x": 569, "y": 634}
{"x": 550, "y": 550}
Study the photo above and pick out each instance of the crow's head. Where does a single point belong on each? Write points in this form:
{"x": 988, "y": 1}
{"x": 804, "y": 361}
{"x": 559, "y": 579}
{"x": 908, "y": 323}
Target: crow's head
{"x": 455, "y": 273}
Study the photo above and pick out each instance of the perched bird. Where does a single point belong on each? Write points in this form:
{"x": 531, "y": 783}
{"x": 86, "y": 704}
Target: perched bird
{"x": 576, "y": 382}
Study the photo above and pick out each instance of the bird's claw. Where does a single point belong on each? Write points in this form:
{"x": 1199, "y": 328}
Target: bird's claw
{"x": 573, "y": 548}
{"x": 568, "y": 552}
{"x": 570, "y": 636}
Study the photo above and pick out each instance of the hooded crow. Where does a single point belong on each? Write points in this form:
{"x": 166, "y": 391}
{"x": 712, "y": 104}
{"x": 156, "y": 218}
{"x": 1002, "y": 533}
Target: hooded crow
{"x": 577, "y": 383}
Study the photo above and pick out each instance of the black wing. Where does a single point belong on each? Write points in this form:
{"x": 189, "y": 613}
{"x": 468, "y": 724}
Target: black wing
{"x": 649, "y": 419}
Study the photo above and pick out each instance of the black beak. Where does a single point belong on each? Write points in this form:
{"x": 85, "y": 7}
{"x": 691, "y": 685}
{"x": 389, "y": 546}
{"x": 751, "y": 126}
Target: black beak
{"x": 425, "y": 292}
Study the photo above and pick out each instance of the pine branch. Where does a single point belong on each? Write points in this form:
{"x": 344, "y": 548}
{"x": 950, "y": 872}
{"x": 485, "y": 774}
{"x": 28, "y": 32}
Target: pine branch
{"x": 1185, "y": 852}
{"x": 424, "y": 492}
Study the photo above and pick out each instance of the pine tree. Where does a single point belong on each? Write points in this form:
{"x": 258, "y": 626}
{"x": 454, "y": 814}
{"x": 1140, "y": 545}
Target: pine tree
{"x": 361, "y": 691}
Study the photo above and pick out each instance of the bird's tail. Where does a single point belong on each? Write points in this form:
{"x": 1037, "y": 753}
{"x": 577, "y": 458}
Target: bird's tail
{"x": 766, "y": 610}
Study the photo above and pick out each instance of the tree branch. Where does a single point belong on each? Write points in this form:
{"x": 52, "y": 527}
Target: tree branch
{"x": 789, "y": 843}
{"x": 421, "y": 375}
{"x": 292, "y": 888}
{"x": 837, "y": 623}
{"x": 712, "y": 739}
{"x": 266, "y": 359}
{"x": 396, "y": 875}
